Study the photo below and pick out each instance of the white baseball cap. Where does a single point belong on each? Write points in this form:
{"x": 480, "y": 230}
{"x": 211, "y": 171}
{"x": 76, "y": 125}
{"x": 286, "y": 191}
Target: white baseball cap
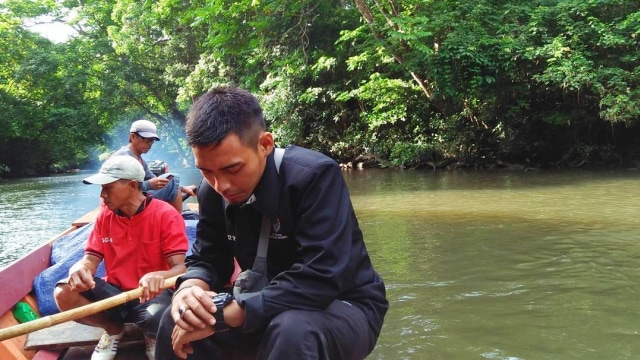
{"x": 144, "y": 128}
{"x": 115, "y": 168}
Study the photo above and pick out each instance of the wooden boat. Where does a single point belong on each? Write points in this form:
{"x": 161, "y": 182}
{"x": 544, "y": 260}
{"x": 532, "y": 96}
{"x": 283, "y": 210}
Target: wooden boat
{"x": 18, "y": 279}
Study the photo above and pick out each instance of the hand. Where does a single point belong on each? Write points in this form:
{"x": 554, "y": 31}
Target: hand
{"x": 151, "y": 284}
{"x": 157, "y": 183}
{"x": 181, "y": 340}
{"x": 192, "y": 308}
{"x": 190, "y": 189}
{"x": 81, "y": 279}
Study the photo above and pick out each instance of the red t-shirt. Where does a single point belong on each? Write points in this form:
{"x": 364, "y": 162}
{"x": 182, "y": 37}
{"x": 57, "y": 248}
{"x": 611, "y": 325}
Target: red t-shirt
{"x": 134, "y": 247}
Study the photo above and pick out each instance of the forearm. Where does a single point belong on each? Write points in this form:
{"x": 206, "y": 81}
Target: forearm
{"x": 88, "y": 262}
{"x": 173, "y": 271}
{"x": 194, "y": 282}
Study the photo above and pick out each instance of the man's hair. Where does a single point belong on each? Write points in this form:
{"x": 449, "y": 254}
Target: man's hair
{"x": 222, "y": 111}
{"x": 124, "y": 181}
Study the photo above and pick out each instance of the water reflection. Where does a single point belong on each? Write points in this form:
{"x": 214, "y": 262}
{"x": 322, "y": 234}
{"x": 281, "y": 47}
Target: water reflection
{"x": 504, "y": 265}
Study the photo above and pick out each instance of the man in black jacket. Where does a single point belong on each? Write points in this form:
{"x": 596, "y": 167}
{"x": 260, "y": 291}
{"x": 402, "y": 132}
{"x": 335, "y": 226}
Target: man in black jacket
{"x": 323, "y": 299}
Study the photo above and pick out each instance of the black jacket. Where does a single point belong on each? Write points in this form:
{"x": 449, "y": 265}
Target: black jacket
{"x": 316, "y": 250}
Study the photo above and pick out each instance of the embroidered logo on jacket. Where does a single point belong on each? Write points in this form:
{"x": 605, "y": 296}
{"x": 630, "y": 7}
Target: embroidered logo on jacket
{"x": 275, "y": 234}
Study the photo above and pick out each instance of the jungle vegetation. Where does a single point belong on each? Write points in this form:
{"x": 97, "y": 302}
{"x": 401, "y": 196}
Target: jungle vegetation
{"x": 410, "y": 83}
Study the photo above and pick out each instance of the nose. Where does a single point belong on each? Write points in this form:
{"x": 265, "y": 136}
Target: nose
{"x": 220, "y": 183}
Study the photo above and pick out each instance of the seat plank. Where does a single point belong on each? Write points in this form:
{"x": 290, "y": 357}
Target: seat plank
{"x": 70, "y": 334}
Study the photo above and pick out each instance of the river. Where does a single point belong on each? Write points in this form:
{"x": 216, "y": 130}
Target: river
{"x": 478, "y": 264}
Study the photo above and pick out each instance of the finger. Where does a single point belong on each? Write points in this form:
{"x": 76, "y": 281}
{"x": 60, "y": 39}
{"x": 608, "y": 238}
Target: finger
{"x": 187, "y": 348}
{"x": 155, "y": 286}
{"x": 200, "y": 301}
{"x": 183, "y": 320}
{"x": 198, "y": 315}
{"x": 145, "y": 294}
{"x": 179, "y": 352}
{"x": 85, "y": 279}
{"x": 81, "y": 287}
{"x": 76, "y": 284}
{"x": 174, "y": 334}
{"x": 177, "y": 349}
{"x": 177, "y": 345}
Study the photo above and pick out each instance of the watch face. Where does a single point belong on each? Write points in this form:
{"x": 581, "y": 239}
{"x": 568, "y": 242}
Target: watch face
{"x": 222, "y": 299}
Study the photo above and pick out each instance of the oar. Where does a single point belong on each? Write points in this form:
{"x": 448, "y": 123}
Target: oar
{"x": 77, "y": 313}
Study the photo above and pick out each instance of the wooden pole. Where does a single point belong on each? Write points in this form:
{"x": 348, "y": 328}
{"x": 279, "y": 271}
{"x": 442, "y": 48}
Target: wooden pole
{"x": 77, "y": 313}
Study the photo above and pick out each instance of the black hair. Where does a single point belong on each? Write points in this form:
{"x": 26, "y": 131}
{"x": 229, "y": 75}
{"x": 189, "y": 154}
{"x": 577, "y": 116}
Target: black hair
{"x": 222, "y": 111}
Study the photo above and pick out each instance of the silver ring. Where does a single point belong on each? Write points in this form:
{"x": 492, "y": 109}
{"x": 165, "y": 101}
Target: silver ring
{"x": 182, "y": 309}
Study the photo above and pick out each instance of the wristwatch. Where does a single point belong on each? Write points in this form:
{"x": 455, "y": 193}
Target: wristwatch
{"x": 221, "y": 300}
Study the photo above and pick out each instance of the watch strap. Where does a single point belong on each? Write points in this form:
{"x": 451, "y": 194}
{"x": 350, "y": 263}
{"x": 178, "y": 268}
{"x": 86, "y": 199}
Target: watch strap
{"x": 221, "y": 300}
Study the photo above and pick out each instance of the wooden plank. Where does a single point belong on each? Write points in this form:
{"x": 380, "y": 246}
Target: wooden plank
{"x": 13, "y": 349}
{"x": 72, "y": 334}
{"x": 9, "y": 350}
{"x": 87, "y": 218}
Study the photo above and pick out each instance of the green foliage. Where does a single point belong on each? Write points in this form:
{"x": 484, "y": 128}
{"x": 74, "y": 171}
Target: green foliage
{"x": 415, "y": 82}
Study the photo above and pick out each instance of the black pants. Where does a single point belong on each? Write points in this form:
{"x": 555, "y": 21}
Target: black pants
{"x": 147, "y": 315}
{"x": 339, "y": 332}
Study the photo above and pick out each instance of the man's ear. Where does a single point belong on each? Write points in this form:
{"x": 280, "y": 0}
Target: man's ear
{"x": 265, "y": 143}
{"x": 133, "y": 185}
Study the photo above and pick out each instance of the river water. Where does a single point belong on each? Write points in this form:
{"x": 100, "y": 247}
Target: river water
{"x": 478, "y": 264}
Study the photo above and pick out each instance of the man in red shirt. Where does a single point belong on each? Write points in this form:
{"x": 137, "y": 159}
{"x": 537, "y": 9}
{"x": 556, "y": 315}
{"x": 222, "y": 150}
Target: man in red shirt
{"x": 142, "y": 242}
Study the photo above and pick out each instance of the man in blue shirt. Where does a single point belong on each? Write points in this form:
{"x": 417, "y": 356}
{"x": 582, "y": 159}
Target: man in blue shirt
{"x": 142, "y": 135}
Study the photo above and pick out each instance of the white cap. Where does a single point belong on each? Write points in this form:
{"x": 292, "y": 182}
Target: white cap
{"x": 115, "y": 168}
{"x": 144, "y": 128}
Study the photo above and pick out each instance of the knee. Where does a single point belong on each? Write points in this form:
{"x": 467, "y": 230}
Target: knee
{"x": 165, "y": 323}
{"x": 153, "y": 316}
{"x": 291, "y": 326}
{"x": 164, "y": 348}
{"x": 64, "y": 297}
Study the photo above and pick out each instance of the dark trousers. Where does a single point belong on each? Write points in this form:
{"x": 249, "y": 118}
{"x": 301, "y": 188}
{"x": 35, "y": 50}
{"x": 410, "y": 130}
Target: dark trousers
{"x": 147, "y": 315}
{"x": 339, "y": 332}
